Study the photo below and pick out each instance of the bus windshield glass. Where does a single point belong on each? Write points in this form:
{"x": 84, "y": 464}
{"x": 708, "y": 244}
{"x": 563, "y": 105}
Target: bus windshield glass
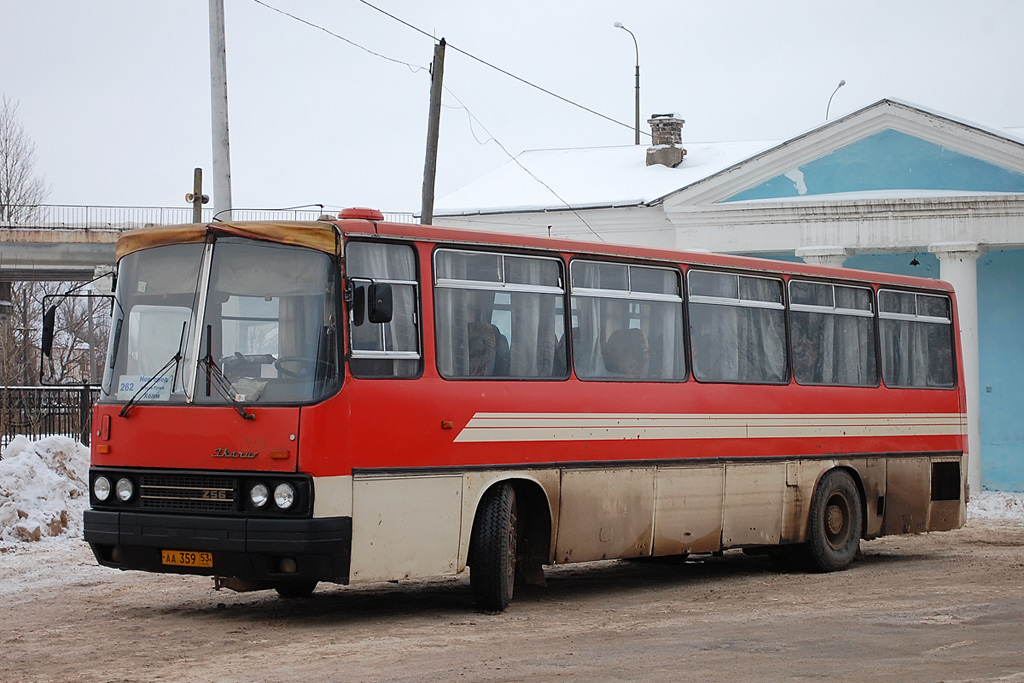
{"x": 228, "y": 321}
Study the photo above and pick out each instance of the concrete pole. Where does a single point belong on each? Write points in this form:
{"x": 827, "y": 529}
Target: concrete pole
{"x": 433, "y": 132}
{"x": 219, "y": 111}
{"x": 958, "y": 265}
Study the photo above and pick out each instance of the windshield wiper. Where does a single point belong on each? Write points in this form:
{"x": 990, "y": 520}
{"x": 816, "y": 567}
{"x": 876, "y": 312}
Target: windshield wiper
{"x": 127, "y": 407}
{"x": 216, "y": 378}
{"x": 224, "y": 387}
{"x": 173, "y": 362}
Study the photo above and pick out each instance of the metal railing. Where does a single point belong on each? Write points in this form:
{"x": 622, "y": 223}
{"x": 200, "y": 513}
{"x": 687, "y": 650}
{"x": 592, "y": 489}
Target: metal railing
{"x": 37, "y": 412}
{"x": 126, "y": 217}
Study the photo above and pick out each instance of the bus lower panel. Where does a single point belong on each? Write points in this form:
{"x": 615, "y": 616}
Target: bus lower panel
{"x": 241, "y": 548}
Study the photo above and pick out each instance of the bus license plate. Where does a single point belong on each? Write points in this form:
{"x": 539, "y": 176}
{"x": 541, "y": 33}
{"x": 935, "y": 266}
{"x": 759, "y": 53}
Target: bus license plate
{"x": 186, "y": 558}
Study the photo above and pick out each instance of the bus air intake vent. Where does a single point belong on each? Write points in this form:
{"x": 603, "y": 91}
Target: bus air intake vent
{"x": 187, "y": 493}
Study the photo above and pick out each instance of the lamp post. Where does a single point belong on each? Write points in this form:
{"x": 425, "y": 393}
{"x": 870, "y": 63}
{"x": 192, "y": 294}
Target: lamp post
{"x": 636, "y": 138}
{"x": 829, "y": 105}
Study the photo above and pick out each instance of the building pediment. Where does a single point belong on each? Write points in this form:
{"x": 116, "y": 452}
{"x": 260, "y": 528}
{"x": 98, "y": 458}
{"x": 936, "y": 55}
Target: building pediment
{"x": 889, "y": 146}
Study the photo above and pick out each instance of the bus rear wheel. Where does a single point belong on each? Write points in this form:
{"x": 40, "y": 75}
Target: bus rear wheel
{"x": 836, "y": 523}
{"x": 492, "y": 572}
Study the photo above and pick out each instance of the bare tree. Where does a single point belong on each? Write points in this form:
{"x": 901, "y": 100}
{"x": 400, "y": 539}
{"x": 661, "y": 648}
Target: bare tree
{"x": 20, "y": 188}
{"x": 79, "y": 341}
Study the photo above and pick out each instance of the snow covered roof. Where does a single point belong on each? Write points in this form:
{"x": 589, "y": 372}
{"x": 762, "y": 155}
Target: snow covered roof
{"x": 598, "y": 177}
{"x": 606, "y": 177}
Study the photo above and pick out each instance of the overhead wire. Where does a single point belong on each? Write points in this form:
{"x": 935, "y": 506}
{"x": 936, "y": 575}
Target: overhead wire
{"x": 413, "y": 67}
{"x": 470, "y": 114}
{"x": 518, "y": 163}
{"x": 500, "y": 70}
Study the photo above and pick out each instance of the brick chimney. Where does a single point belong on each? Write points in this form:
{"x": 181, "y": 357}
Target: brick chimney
{"x": 666, "y": 140}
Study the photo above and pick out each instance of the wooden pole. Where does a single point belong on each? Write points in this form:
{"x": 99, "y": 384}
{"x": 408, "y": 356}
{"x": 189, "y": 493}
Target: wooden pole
{"x": 433, "y": 132}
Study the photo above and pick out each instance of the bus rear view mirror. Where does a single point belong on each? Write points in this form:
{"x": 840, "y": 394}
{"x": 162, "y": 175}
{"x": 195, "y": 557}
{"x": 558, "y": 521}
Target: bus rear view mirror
{"x": 49, "y": 321}
{"x": 380, "y": 303}
{"x": 358, "y": 303}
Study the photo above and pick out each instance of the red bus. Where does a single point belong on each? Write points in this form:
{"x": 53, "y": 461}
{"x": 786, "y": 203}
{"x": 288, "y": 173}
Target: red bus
{"x": 355, "y": 401}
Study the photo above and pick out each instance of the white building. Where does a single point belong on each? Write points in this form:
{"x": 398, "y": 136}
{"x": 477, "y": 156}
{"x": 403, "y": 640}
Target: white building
{"x": 892, "y": 187}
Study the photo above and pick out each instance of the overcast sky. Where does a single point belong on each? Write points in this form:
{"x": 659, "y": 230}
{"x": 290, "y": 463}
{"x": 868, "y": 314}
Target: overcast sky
{"x": 116, "y": 93}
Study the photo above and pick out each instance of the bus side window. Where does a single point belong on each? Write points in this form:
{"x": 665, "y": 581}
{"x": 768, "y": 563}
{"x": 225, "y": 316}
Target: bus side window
{"x": 737, "y": 328}
{"x": 391, "y": 348}
{"x": 499, "y": 315}
{"x": 627, "y": 322}
{"x": 916, "y": 332}
{"x": 833, "y": 334}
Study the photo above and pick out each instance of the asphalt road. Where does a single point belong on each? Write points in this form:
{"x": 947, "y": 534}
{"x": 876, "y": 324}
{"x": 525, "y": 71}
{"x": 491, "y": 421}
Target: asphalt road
{"x": 946, "y": 606}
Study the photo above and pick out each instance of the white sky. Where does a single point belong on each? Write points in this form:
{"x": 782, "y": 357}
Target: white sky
{"x": 115, "y": 93}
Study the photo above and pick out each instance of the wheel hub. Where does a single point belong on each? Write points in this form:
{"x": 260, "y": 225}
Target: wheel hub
{"x": 834, "y": 520}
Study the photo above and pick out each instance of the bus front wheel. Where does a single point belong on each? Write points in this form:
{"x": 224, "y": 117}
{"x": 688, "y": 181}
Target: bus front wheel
{"x": 295, "y": 589}
{"x": 836, "y": 523}
{"x": 492, "y": 571}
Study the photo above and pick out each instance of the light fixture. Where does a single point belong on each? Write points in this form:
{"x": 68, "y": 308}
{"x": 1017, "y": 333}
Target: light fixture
{"x": 636, "y": 126}
{"x": 829, "y": 106}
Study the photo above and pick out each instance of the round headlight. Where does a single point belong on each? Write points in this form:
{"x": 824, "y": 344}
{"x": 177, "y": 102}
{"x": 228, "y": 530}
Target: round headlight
{"x": 284, "y": 496}
{"x": 259, "y": 495}
{"x": 101, "y": 488}
{"x": 124, "y": 489}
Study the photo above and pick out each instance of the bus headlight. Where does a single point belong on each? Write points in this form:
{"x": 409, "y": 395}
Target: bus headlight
{"x": 125, "y": 489}
{"x": 101, "y": 488}
{"x": 259, "y": 495}
{"x": 284, "y": 496}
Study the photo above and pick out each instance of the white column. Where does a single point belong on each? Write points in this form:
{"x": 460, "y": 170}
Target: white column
{"x": 824, "y": 256}
{"x": 958, "y": 265}
{"x": 219, "y": 113}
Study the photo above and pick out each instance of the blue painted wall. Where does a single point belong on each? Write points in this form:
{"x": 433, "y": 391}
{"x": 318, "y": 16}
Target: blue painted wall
{"x": 1001, "y": 348}
{"x": 890, "y": 160}
{"x": 1001, "y": 353}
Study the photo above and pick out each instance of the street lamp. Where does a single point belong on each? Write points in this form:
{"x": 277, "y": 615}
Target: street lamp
{"x": 829, "y": 105}
{"x": 636, "y": 139}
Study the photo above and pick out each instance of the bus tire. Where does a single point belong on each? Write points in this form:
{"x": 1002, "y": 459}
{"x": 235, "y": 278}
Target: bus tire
{"x": 835, "y": 524}
{"x": 295, "y": 589}
{"x": 492, "y": 572}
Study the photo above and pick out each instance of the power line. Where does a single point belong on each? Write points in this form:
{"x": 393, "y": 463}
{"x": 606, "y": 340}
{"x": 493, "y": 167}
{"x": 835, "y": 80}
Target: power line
{"x": 413, "y": 67}
{"x": 499, "y": 69}
{"x": 550, "y": 189}
{"x": 416, "y": 68}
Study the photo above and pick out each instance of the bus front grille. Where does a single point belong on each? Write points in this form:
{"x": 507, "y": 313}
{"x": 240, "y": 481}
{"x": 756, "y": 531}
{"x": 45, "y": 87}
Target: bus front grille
{"x": 188, "y": 492}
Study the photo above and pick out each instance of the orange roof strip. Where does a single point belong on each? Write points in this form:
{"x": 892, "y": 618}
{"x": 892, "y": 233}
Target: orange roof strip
{"x": 321, "y": 236}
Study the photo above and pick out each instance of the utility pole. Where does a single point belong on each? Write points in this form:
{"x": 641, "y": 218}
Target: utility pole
{"x": 219, "y": 111}
{"x": 433, "y": 132}
{"x": 196, "y": 197}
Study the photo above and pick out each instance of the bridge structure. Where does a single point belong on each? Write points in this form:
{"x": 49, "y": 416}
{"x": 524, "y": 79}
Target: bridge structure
{"x": 76, "y": 243}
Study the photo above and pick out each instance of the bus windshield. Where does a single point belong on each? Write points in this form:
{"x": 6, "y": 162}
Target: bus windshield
{"x": 228, "y": 321}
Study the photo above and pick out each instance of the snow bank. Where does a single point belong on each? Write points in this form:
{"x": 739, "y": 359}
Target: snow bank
{"x": 43, "y": 489}
{"x": 997, "y": 505}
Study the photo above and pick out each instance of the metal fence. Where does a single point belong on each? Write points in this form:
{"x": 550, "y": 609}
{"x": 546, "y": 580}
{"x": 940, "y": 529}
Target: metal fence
{"x": 36, "y": 412}
{"x": 124, "y": 217}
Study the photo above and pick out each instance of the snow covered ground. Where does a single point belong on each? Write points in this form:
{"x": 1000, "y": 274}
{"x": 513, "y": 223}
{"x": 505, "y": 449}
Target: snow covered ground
{"x": 43, "y": 492}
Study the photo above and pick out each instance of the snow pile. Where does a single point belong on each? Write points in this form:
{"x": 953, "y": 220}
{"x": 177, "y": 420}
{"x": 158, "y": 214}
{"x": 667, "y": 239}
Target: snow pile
{"x": 43, "y": 488}
{"x": 996, "y": 505}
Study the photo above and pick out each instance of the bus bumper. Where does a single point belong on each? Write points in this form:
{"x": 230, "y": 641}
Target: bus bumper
{"x": 272, "y": 550}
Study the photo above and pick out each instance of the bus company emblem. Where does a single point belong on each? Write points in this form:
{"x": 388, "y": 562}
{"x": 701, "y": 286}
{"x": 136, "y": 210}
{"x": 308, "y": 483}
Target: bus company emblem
{"x": 228, "y": 453}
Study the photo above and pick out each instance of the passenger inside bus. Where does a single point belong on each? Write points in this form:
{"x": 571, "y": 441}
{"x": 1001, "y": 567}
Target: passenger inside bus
{"x": 488, "y": 351}
{"x": 626, "y": 353}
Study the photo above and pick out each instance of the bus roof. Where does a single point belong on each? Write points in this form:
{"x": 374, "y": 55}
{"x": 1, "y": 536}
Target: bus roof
{"x": 326, "y": 236}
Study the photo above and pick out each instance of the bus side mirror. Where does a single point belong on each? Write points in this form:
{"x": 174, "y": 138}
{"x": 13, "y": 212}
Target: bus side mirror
{"x": 49, "y": 322}
{"x": 381, "y": 303}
